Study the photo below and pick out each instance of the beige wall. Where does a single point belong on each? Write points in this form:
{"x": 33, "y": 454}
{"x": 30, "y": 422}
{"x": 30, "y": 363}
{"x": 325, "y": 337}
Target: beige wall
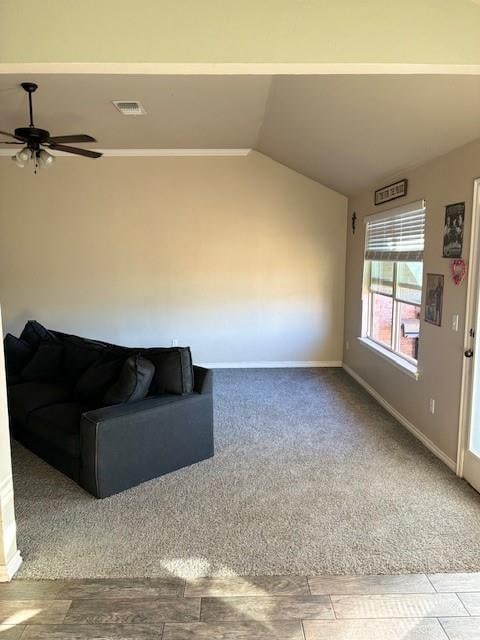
{"x": 240, "y": 258}
{"x": 413, "y": 31}
{"x": 444, "y": 181}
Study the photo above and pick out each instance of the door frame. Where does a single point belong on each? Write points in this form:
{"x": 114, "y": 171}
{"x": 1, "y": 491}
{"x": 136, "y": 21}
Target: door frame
{"x": 473, "y": 291}
{"x": 10, "y": 558}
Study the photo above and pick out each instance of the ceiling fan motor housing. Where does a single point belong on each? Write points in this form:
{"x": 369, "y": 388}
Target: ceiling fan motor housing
{"x": 32, "y": 135}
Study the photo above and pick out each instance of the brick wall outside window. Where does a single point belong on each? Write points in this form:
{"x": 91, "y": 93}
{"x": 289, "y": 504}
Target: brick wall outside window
{"x": 383, "y": 321}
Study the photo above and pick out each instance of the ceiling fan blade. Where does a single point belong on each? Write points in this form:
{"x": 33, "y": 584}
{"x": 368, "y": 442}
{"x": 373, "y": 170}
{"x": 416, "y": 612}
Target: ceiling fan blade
{"x": 11, "y": 135}
{"x": 79, "y": 152}
{"x": 80, "y": 137}
{"x": 8, "y": 142}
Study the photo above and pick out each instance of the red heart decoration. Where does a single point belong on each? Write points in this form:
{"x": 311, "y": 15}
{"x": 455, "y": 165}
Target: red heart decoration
{"x": 459, "y": 271}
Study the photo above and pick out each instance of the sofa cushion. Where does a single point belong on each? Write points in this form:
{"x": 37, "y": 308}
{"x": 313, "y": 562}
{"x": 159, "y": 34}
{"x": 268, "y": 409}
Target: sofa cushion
{"x": 34, "y": 333}
{"x": 173, "y": 370}
{"x": 80, "y": 354}
{"x": 45, "y": 365}
{"x": 94, "y": 382}
{"x": 17, "y": 354}
{"x": 58, "y": 425}
{"x": 29, "y": 396}
{"x": 133, "y": 382}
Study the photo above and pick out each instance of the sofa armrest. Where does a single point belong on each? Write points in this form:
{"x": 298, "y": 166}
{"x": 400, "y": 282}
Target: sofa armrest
{"x": 124, "y": 445}
{"x": 127, "y": 409}
{"x": 203, "y": 379}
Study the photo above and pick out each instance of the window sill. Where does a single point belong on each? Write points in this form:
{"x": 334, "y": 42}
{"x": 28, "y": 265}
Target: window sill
{"x": 404, "y": 366}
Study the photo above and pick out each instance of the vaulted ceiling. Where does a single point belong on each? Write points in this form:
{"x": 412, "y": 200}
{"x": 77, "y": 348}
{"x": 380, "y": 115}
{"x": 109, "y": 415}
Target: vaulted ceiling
{"x": 349, "y": 131}
{"x": 345, "y": 131}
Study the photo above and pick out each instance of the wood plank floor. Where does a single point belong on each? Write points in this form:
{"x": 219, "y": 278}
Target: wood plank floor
{"x": 409, "y": 607}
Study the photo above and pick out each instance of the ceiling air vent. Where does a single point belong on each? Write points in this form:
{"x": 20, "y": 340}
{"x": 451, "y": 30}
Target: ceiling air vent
{"x": 130, "y": 107}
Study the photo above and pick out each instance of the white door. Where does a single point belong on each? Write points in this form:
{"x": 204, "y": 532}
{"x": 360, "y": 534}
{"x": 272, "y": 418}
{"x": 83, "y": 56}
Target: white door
{"x": 469, "y": 442}
{"x": 471, "y": 459}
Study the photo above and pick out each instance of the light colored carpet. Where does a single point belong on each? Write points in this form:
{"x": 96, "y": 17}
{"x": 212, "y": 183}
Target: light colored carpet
{"x": 310, "y": 476}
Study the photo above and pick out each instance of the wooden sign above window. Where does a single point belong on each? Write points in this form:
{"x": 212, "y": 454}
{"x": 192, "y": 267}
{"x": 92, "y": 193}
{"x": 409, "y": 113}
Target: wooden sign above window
{"x": 391, "y": 192}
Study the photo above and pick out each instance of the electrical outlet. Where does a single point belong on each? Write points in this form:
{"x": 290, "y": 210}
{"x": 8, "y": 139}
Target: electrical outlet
{"x": 174, "y": 342}
{"x": 455, "y": 322}
{"x": 432, "y": 406}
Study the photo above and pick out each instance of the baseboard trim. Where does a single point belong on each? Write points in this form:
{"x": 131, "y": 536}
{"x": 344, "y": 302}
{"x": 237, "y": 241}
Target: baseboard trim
{"x": 287, "y": 364}
{"x": 10, "y": 554}
{"x": 403, "y": 421}
{"x": 8, "y": 571}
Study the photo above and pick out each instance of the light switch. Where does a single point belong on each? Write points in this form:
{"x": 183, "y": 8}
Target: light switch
{"x": 455, "y": 322}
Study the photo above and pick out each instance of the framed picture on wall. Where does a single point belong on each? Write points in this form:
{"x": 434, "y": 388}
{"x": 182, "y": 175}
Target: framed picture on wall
{"x": 434, "y": 299}
{"x": 391, "y": 192}
{"x": 453, "y": 230}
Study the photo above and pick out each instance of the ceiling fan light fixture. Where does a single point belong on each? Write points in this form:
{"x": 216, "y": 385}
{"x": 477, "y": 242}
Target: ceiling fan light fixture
{"x": 45, "y": 159}
{"x": 18, "y": 162}
{"x": 23, "y": 155}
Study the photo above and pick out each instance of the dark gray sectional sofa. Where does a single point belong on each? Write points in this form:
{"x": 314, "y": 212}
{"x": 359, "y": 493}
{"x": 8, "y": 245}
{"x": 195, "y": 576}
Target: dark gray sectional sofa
{"x": 56, "y": 408}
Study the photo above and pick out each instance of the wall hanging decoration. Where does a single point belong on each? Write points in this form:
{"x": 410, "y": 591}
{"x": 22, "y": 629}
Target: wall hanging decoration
{"x": 354, "y": 222}
{"x": 391, "y": 192}
{"x": 459, "y": 271}
{"x": 434, "y": 299}
{"x": 453, "y": 230}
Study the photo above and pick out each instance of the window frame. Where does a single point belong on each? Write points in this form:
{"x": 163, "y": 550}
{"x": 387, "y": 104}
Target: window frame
{"x": 396, "y": 302}
{"x": 391, "y": 352}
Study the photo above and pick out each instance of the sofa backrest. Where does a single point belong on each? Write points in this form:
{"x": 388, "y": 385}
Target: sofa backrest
{"x": 79, "y": 355}
{"x": 173, "y": 365}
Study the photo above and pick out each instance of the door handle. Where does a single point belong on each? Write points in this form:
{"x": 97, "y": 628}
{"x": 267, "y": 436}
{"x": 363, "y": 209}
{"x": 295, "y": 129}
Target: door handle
{"x": 468, "y": 353}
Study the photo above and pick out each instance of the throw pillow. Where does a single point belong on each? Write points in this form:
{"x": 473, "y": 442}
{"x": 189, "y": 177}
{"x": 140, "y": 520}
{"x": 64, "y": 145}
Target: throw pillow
{"x": 173, "y": 370}
{"x": 17, "y": 354}
{"x": 46, "y": 364}
{"x": 93, "y": 383}
{"x": 133, "y": 383}
{"x": 34, "y": 333}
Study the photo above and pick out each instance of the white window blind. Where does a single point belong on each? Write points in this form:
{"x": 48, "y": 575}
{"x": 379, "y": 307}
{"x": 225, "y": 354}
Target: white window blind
{"x": 398, "y": 234}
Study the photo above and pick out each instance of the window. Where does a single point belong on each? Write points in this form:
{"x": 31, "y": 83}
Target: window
{"x": 393, "y": 279}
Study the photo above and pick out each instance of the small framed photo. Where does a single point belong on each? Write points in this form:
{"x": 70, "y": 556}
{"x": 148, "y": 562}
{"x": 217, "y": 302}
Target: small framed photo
{"x": 434, "y": 299}
{"x": 453, "y": 230}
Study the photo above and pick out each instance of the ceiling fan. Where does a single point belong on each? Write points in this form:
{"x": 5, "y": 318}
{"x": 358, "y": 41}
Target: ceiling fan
{"x": 34, "y": 139}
